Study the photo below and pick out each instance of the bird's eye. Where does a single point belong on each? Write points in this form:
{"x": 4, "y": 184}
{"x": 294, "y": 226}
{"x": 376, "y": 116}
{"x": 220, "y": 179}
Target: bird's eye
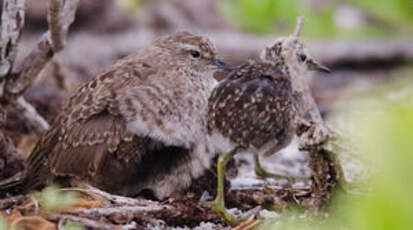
{"x": 195, "y": 54}
{"x": 302, "y": 57}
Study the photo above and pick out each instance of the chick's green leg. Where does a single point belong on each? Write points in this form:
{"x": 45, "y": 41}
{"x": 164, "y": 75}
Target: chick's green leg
{"x": 218, "y": 205}
{"x": 262, "y": 173}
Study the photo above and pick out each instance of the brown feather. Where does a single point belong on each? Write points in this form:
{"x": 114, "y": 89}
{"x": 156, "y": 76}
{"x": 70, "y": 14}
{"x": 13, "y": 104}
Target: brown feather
{"x": 129, "y": 129}
{"x": 253, "y": 106}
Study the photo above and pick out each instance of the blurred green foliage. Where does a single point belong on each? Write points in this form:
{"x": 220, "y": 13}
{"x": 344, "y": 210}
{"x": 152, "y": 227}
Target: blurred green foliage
{"x": 379, "y": 17}
{"x": 279, "y": 16}
{"x": 394, "y": 11}
{"x": 53, "y": 199}
{"x": 71, "y": 225}
{"x": 260, "y": 16}
{"x": 130, "y": 4}
{"x": 3, "y": 225}
{"x": 384, "y": 127}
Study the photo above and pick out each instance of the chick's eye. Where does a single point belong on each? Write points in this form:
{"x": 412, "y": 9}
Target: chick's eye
{"x": 195, "y": 54}
{"x": 302, "y": 57}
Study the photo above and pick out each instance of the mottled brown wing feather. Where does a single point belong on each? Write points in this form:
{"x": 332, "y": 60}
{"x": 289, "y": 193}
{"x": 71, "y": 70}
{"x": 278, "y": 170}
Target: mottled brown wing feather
{"x": 88, "y": 128}
{"x": 37, "y": 167}
{"x": 248, "y": 107}
{"x": 83, "y": 156}
{"x": 125, "y": 171}
{"x": 89, "y": 140}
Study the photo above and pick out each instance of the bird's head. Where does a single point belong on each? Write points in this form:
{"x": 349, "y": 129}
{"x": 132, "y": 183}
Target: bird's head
{"x": 193, "y": 51}
{"x": 291, "y": 52}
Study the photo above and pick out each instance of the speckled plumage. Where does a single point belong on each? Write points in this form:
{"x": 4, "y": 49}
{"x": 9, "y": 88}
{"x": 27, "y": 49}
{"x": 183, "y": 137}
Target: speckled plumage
{"x": 139, "y": 125}
{"x": 257, "y": 108}
{"x": 253, "y": 108}
{"x": 258, "y": 105}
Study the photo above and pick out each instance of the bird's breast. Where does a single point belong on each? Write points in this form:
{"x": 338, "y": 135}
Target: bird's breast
{"x": 175, "y": 115}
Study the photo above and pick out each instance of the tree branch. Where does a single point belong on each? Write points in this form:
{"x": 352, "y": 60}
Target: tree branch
{"x": 94, "y": 224}
{"x": 59, "y": 22}
{"x": 115, "y": 199}
{"x": 55, "y": 24}
{"x": 12, "y": 22}
{"x": 38, "y": 124}
{"x": 61, "y": 14}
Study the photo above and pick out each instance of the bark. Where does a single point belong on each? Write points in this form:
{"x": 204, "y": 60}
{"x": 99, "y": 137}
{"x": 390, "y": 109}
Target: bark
{"x": 12, "y": 21}
{"x": 60, "y": 16}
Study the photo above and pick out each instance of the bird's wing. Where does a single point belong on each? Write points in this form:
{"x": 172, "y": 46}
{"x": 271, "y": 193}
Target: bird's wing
{"x": 115, "y": 162}
{"x": 82, "y": 149}
{"x": 89, "y": 128}
{"x": 249, "y": 109}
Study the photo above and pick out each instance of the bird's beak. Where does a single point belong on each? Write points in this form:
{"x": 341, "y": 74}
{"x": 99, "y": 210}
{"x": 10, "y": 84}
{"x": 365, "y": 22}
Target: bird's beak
{"x": 313, "y": 65}
{"x": 224, "y": 65}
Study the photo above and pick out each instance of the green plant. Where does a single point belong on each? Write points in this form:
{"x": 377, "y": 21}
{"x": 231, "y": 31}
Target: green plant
{"x": 71, "y": 225}
{"x": 52, "y": 199}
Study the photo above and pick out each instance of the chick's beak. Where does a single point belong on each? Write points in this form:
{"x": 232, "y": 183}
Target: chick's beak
{"x": 224, "y": 65}
{"x": 312, "y": 65}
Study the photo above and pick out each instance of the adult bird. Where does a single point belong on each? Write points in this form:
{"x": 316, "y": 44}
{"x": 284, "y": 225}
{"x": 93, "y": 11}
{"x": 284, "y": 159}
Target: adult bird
{"x": 257, "y": 107}
{"x": 139, "y": 126}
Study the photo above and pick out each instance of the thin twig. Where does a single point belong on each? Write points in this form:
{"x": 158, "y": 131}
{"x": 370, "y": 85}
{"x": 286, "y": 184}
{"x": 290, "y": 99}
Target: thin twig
{"x": 61, "y": 16}
{"x": 55, "y": 24}
{"x": 298, "y": 26}
{"x": 132, "y": 210}
{"x": 119, "y": 200}
{"x": 68, "y": 14}
{"x": 38, "y": 124}
{"x": 248, "y": 224}
{"x": 31, "y": 67}
{"x": 85, "y": 221}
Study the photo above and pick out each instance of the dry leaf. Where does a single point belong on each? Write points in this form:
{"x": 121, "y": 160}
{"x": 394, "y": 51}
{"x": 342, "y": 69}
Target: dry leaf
{"x": 17, "y": 221}
{"x": 248, "y": 224}
{"x": 33, "y": 223}
{"x": 85, "y": 201}
{"x": 26, "y": 145}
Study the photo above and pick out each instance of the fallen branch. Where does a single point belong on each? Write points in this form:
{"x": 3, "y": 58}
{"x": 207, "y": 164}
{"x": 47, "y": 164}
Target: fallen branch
{"x": 86, "y": 222}
{"x": 13, "y": 201}
{"x": 122, "y": 210}
{"x": 115, "y": 199}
